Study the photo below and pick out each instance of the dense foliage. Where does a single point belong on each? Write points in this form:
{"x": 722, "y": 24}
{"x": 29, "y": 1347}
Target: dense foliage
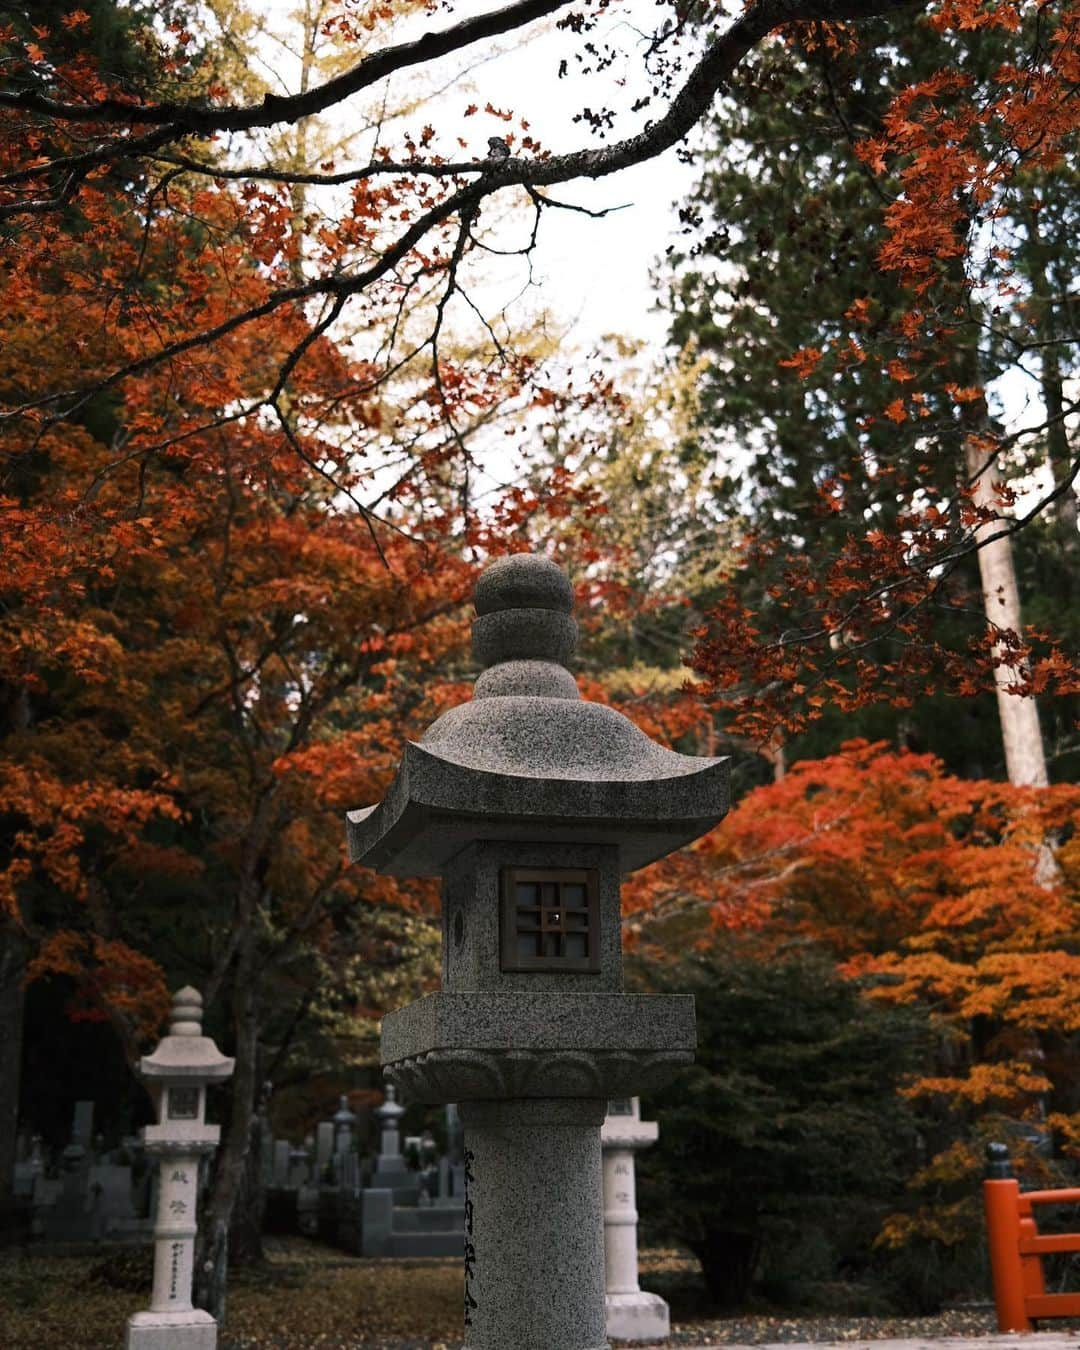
{"x": 784, "y": 1145}
{"x": 916, "y": 892}
{"x": 882, "y": 312}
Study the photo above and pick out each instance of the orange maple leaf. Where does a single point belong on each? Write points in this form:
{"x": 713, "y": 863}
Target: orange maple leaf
{"x": 896, "y": 412}
{"x": 804, "y": 362}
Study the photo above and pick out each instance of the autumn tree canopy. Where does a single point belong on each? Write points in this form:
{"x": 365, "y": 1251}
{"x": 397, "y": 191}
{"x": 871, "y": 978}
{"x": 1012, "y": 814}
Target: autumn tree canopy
{"x": 962, "y": 150}
{"x": 920, "y": 889}
{"x": 404, "y": 223}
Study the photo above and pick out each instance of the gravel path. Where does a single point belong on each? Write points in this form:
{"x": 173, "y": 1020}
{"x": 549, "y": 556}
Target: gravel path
{"x": 949, "y": 1331}
{"x": 309, "y": 1297}
{"x": 830, "y": 1330}
{"x": 1067, "y": 1340}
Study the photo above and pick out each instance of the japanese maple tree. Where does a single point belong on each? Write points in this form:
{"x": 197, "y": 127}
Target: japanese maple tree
{"x": 923, "y": 887}
{"x": 205, "y": 648}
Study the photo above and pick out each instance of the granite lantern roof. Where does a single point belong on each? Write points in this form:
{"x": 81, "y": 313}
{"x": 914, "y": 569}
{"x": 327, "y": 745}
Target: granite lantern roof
{"x": 527, "y": 758}
{"x": 185, "y": 1053}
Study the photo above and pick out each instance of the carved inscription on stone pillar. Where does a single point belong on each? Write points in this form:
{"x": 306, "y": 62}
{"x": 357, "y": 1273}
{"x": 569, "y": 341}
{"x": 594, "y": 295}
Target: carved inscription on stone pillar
{"x": 470, "y": 1247}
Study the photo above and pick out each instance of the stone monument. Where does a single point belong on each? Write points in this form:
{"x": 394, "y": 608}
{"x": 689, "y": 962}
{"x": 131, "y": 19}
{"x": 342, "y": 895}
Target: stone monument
{"x": 344, "y": 1126}
{"x": 531, "y": 803}
{"x": 391, "y": 1170}
{"x": 178, "y": 1073}
{"x": 632, "y": 1314}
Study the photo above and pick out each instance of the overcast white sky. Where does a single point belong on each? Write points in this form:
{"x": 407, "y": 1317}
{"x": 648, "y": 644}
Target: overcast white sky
{"x": 594, "y": 273}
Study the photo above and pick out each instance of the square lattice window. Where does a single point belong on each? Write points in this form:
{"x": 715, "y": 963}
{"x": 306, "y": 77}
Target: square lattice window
{"x": 550, "y": 920}
{"x": 183, "y": 1103}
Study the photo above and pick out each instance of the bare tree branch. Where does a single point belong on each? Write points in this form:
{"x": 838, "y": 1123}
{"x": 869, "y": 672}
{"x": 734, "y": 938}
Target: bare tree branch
{"x": 177, "y": 121}
{"x": 706, "y": 78}
{"x": 184, "y": 119}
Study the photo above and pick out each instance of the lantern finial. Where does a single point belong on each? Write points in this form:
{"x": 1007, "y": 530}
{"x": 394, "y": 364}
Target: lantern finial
{"x": 523, "y": 632}
{"x": 527, "y": 759}
{"x": 185, "y": 1019}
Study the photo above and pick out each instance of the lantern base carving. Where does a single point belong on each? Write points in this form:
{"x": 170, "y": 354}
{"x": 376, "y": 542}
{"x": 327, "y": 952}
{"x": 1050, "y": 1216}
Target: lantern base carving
{"x": 484, "y": 1046}
{"x": 485, "y": 1075}
{"x": 189, "y": 1330}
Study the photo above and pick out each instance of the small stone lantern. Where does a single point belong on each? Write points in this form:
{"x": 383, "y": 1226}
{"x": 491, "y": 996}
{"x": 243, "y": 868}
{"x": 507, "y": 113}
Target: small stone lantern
{"x": 344, "y": 1126}
{"x": 531, "y": 803}
{"x": 632, "y": 1314}
{"x": 178, "y": 1073}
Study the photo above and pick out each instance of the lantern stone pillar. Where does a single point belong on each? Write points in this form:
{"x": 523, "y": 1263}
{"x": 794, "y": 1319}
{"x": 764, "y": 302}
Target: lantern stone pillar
{"x": 632, "y": 1314}
{"x": 178, "y": 1073}
{"x": 531, "y": 803}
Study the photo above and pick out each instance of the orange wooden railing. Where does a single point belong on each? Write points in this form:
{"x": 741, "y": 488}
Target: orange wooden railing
{"x": 1017, "y": 1247}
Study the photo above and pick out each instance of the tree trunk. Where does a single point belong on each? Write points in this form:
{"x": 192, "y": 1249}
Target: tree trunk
{"x": 728, "y": 1260}
{"x": 1052, "y": 383}
{"x": 13, "y": 956}
{"x": 1025, "y": 761}
{"x": 245, "y": 1230}
{"x": 1057, "y": 445}
{"x": 213, "y": 1253}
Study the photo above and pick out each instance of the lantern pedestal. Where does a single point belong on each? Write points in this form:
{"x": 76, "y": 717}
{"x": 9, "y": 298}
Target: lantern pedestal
{"x": 172, "y": 1321}
{"x": 532, "y": 1073}
{"x": 534, "y": 1242}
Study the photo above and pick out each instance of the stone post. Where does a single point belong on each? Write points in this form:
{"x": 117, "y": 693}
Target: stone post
{"x": 178, "y": 1073}
{"x": 533, "y": 1224}
{"x": 324, "y": 1150}
{"x": 299, "y": 1163}
{"x": 531, "y": 804}
{"x": 632, "y": 1314}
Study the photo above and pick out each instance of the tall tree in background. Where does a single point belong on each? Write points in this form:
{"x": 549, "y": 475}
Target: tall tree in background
{"x": 112, "y": 39}
{"x": 856, "y": 352}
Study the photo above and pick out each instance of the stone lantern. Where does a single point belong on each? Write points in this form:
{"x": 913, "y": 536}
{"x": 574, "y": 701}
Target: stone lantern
{"x": 344, "y": 1126}
{"x": 632, "y": 1314}
{"x": 531, "y": 803}
{"x": 178, "y": 1073}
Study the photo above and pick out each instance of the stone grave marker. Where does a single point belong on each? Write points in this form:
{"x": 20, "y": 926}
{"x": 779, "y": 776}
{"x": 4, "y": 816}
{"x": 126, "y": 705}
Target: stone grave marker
{"x": 392, "y": 1173}
{"x": 324, "y": 1149}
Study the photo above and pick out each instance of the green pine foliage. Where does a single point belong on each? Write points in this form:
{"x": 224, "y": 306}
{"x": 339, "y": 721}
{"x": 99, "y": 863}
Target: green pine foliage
{"x": 785, "y": 1145}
